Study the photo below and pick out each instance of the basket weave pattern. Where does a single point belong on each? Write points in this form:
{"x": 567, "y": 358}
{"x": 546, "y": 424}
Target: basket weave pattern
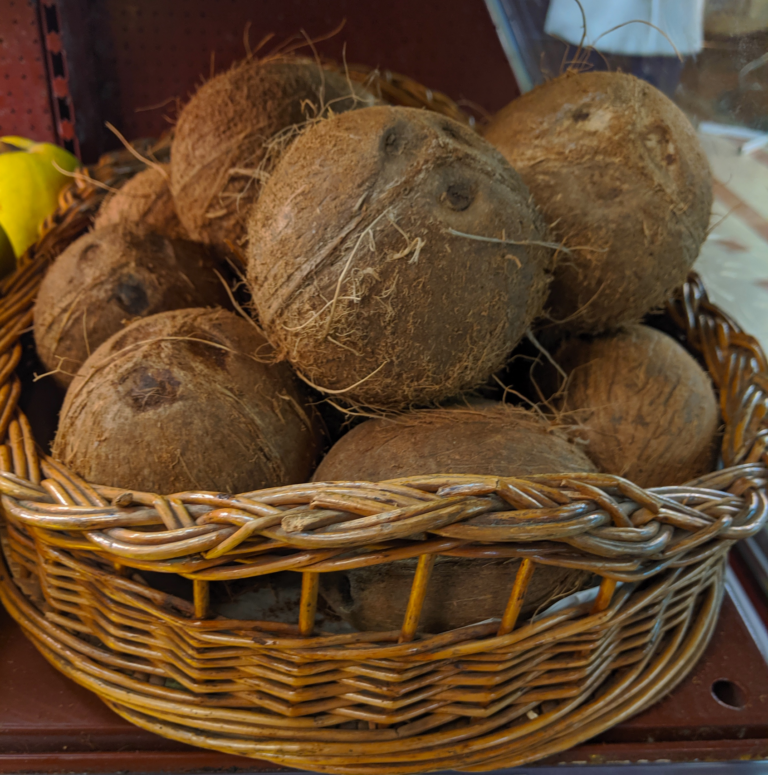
{"x": 499, "y": 693}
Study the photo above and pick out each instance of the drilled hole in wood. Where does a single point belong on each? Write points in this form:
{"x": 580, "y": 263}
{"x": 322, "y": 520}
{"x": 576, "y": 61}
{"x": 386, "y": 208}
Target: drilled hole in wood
{"x": 57, "y": 65}
{"x": 729, "y": 694}
{"x": 51, "y": 18}
{"x": 64, "y": 113}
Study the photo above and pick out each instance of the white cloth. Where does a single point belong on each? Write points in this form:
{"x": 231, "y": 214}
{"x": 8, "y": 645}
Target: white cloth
{"x": 681, "y": 20}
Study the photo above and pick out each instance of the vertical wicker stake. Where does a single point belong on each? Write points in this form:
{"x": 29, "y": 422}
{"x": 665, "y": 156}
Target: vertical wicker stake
{"x": 416, "y": 600}
{"x": 5, "y": 458}
{"x": 604, "y": 595}
{"x": 202, "y": 596}
{"x": 17, "y": 450}
{"x": 516, "y": 597}
{"x": 310, "y": 584}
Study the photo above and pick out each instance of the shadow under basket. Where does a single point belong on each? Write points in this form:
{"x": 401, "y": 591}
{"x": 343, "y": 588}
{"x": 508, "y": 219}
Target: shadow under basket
{"x": 81, "y": 563}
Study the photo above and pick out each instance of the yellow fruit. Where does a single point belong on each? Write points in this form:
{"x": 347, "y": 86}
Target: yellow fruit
{"x": 29, "y": 187}
{"x": 19, "y": 142}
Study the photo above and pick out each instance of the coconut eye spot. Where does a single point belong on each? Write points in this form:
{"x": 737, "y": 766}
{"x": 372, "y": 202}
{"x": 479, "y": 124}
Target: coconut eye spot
{"x": 451, "y": 132}
{"x": 153, "y": 388}
{"x": 131, "y": 296}
{"x": 455, "y": 133}
{"x": 458, "y": 195}
{"x": 459, "y": 134}
{"x": 392, "y": 142}
{"x": 88, "y": 253}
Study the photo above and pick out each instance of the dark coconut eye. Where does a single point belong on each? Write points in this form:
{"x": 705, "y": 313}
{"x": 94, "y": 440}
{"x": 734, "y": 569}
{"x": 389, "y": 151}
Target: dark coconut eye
{"x": 89, "y": 253}
{"x": 451, "y": 132}
{"x": 152, "y": 388}
{"x": 459, "y": 196}
{"x": 131, "y": 296}
{"x": 392, "y": 142}
{"x": 459, "y": 134}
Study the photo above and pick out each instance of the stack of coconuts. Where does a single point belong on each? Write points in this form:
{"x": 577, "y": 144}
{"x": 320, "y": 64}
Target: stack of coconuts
{"x": 397, "y": 261}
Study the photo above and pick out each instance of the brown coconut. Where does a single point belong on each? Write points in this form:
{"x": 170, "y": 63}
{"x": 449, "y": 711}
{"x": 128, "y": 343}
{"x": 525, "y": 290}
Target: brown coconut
{"x": 107, "y": 278}
{"x": 643, "y": 406}
{"x": 617, "y": 169}
{"x": 145, "y": 199}
{"x": 227, "y": 131}
{"x": 187, "y": 400}
{"x": 492, "y": 439}
{"x": 360, "y": 268}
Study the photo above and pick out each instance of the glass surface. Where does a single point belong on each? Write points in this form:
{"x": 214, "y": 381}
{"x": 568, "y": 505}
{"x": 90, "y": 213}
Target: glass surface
{"x": 711, "y": 58}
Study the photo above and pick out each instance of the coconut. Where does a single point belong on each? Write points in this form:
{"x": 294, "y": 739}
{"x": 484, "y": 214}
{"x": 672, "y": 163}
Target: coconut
{"x": 395, "y": 258}
{"x": 187, "y": 400}
{"x": 145, "y": 199}
{"x": 488, "y": 439}
{"x": 225, "y": 133}
{"x": 617, "y": 169}
{"x": 644, "y": 407}
{"x": 109, "y": 277}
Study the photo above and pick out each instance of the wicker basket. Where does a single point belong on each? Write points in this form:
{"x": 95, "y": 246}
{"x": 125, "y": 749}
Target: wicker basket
{"x": 496, "y": 694}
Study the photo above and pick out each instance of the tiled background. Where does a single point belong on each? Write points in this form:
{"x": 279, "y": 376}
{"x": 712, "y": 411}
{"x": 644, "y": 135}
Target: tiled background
{"x": 734, "y": 259}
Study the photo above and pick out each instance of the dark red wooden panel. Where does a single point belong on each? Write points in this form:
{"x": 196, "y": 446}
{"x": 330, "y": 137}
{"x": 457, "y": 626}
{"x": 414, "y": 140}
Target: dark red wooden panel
{"x": 25, "y": 104}
{"x": 148, "y": 52}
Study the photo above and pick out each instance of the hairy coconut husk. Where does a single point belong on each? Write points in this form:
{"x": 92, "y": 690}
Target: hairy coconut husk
{"x": 145, "y": 199}
{"x": 643, "y": 406}
{"x": 395, "y": 258}
{"x": 110, "y": 276}
{"x": 618, "y": 170}
{"x": 488, "y": 439}
{"x": 227, "y": 132}
{"x": 485, "y": 439}
{"x": 186, "y": 400}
